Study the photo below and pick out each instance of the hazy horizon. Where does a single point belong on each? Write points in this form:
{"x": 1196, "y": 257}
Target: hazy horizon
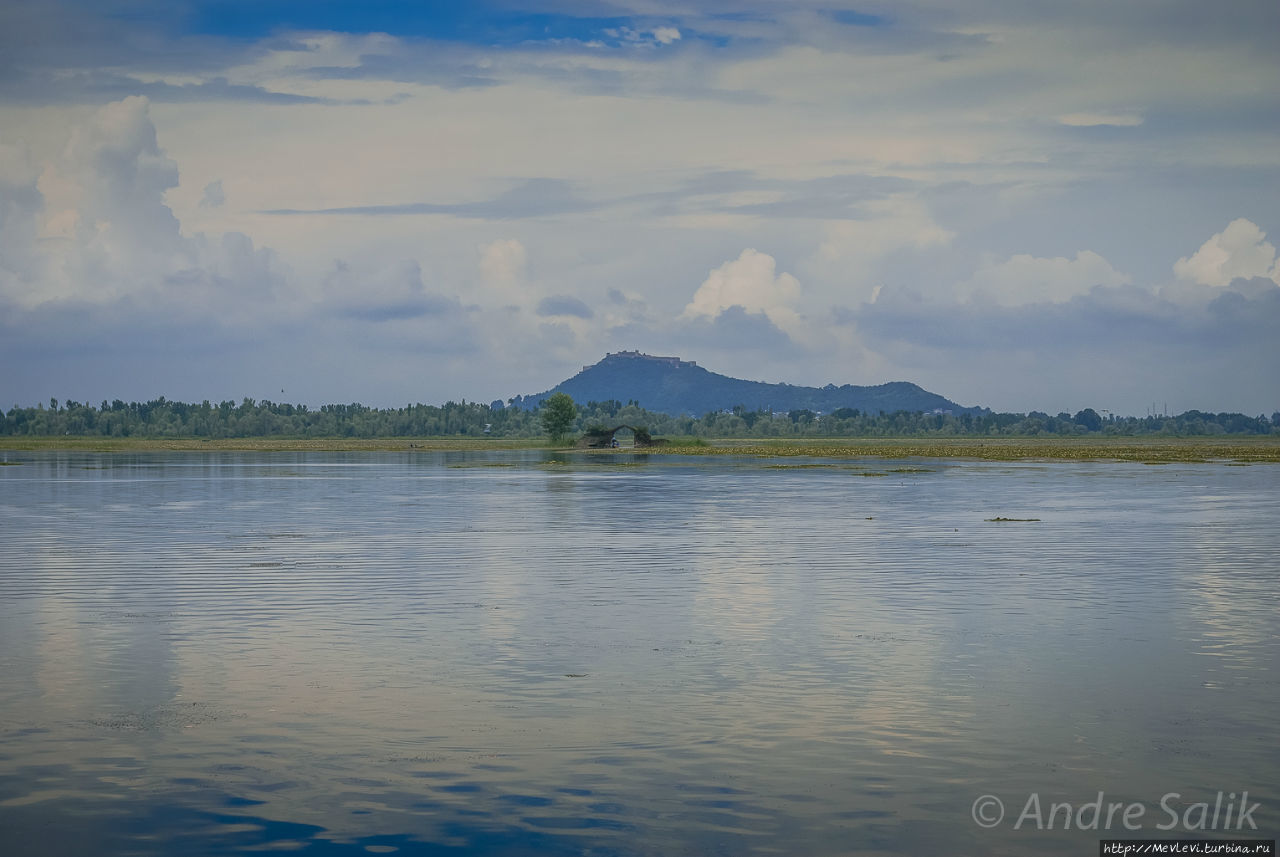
{"x": 1152, "y": 409}
{"x": 1017, "y": 208}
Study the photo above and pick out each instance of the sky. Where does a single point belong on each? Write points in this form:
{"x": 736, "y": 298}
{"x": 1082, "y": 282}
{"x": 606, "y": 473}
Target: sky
{"x": 1021, "y": 206}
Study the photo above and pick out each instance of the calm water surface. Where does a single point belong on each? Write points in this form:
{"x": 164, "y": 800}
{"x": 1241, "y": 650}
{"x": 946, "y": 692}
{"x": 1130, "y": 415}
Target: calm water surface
{"x": 519, "y": 653}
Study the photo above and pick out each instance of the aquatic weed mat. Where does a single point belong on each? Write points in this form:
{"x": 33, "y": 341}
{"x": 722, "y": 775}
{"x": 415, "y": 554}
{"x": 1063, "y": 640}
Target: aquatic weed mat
{"x": 1163, "y": 450}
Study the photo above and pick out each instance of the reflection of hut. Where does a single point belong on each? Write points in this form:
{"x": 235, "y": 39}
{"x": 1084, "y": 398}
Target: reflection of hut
{"x": 602, "y": 438}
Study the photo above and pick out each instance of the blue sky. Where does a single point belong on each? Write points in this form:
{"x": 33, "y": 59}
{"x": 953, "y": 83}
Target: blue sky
{"x": 473, "y": 22}
{"x": 1022, "y": 206}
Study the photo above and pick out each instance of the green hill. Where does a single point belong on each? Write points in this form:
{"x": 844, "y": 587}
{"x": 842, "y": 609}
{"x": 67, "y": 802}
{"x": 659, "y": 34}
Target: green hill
{"x": 674, "y": 386}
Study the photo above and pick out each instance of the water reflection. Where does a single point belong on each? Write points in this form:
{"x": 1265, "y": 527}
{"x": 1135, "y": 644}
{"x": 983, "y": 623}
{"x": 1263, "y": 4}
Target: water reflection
{"x": 620, "y": 654}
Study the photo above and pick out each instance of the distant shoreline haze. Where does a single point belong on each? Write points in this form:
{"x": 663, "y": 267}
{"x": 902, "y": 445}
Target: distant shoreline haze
{"x": 626, "y": 388}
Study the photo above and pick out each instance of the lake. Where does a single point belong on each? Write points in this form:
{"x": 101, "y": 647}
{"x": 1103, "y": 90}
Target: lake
{"x": 505, "y": 653}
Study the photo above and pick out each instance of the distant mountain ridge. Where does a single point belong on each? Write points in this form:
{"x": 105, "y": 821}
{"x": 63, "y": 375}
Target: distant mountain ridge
{"x": 673, "y": 386}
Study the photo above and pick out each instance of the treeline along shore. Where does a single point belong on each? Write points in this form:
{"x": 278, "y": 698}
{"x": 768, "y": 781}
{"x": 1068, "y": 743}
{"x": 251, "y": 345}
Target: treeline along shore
{"x": 164, "y": 419}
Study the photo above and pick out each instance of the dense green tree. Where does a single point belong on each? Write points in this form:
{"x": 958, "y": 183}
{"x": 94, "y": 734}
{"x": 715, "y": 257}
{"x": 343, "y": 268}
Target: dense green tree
{"x": 1090, "y": 419}
{"x": 558, "y": 414}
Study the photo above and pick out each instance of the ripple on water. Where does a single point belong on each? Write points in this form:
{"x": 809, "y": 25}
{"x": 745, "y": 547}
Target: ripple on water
{"x": 371, "y": 653}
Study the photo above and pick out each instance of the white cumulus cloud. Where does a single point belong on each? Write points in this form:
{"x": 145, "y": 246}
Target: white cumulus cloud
{"x": 502, "y": 268}
{"x": 1239, "y": 251}
{"x": 656, "y": 36}
{"x": 666, "y": 35}
{"x": 106, "y": 232}
{"x": 1025, "y": 279}
{"x": 851, "y": 250}
{"x": 751, "y": 281}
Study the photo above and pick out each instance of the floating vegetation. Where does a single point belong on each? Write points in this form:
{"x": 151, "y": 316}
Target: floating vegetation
{"x": 170, "y": 716}
{"x": 1010, "y": 520}
{"x": 911, "y": 470}
{"x": 1137, "y": 449}
{"x": 799, "y": 466}
{"x": 135, "y": 617}
{"x": 576, "y": 675}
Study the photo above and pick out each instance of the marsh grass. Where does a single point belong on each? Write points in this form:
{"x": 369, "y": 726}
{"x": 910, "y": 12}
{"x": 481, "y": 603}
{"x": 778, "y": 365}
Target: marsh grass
{"x": 1158, "y": 450}
{"x": 269, "y": 444}
{"x": 685, "y": 442}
